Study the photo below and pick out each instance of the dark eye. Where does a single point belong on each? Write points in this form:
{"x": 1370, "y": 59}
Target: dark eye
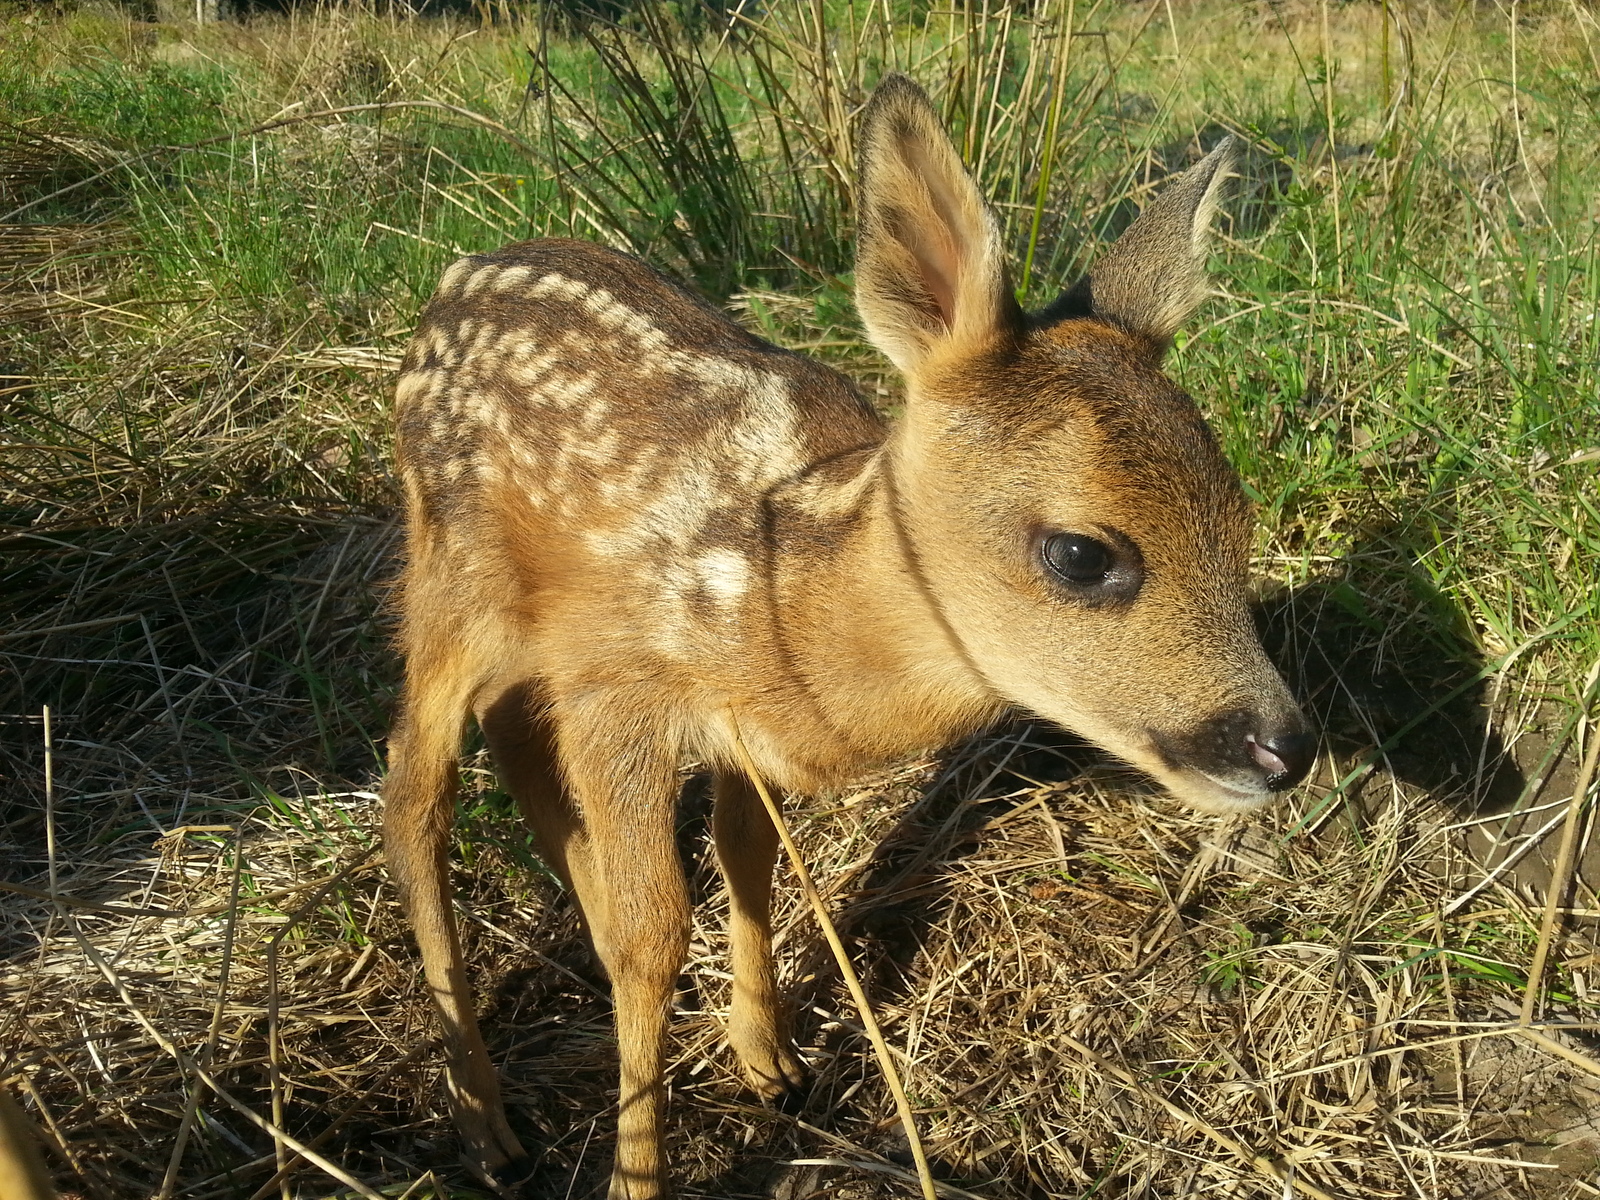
{"x": 1077, "y": 557}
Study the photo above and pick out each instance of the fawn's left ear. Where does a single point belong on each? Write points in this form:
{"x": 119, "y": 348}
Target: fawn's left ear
{"x": 1154, "y": 276}
{"x": 930, "y": 267}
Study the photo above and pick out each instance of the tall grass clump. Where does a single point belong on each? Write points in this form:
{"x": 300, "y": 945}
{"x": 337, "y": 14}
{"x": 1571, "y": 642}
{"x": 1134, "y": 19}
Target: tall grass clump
{"x": 214, "y": 239}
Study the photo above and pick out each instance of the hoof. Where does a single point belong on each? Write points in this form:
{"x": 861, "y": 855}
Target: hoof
{"x": 793, "y": 1098}
{"x": 511, "y": 1175}
{"x": 781, "y": 1080}
{"x": 508, "y": 1180}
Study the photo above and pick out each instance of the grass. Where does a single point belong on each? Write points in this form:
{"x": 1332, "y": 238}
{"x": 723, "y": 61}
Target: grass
{"x": 215, "y": 240}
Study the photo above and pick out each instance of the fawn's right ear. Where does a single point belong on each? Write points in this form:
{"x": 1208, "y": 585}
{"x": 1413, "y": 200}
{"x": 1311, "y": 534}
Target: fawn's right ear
{"x": 930, "y": 269}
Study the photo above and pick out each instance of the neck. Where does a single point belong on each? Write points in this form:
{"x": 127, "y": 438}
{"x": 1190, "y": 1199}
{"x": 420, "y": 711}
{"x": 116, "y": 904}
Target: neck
{"x": 866, "y": 669}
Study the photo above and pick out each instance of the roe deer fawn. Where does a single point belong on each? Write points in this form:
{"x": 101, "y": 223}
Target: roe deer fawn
{"x": 629, "y": 519}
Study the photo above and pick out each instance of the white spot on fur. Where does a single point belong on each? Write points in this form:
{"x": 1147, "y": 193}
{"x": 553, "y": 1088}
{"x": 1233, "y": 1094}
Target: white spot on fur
{"x": 607, "y": 311}
{"x": 725, "y": 574}
{"x": 651, "y": 339}
{"x": 513, "y": 278}
{"x": 555, "y": 284}
{"x": 441, "y": 347}
{"x": 599, "y": 302}
{"x": 480, "y": 407}
{"x": 529, "y": 370}
{"x": 568, "y": 391}
{"x": 416, "y": 387}
{"x": 485, "y": 337}
{"x": 481, "y": 278}
{"x": 455, "y": 276}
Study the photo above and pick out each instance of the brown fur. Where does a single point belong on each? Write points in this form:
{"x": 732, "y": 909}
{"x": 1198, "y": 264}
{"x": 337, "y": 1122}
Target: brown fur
{"x": 629, "y": 519}
{"x": 22, "y": 1171}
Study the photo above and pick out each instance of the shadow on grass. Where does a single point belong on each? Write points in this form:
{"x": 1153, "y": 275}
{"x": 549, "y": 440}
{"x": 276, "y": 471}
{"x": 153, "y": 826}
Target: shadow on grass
{"x": 1388, "y": 668}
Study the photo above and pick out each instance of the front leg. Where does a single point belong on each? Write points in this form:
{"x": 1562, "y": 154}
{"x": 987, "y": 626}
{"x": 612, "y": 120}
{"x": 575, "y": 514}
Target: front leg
{"x": 636, "y": 905}
{"x": 747, "y": 847}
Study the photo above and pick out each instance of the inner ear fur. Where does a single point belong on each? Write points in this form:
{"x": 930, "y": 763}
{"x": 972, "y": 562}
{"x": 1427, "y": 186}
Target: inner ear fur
{"x": 930, "y": 270}
{"x": 1153, "y": 277}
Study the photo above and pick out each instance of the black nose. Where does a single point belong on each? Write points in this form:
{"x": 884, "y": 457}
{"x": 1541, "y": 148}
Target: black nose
{"x": 1285, "y": 757}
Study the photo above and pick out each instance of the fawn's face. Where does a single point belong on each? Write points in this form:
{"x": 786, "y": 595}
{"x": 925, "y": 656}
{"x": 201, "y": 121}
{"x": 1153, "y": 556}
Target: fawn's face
{"x": 1085, "y": 541}
{"x": 1089, "y": 546}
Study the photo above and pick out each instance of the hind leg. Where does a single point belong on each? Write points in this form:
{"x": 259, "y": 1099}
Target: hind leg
{"x": 521, "y": 737}
{"x": 418, "y": 811}
{"x": 747, "y": 847}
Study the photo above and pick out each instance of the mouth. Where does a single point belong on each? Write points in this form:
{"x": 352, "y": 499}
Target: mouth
{"x": 1223, "y": 793}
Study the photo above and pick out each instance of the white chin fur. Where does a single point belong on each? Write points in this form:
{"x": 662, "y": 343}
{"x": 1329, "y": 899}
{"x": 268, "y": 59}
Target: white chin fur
{"x": 1212, "y": 796}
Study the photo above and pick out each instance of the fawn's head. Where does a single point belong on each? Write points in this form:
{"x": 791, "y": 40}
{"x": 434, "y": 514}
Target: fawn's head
{"x": 1073, "y": 523}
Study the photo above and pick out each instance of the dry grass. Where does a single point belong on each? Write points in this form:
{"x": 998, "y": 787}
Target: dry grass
{"x": 1092, "y": 993}
{"x": 1085, "y": 985}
